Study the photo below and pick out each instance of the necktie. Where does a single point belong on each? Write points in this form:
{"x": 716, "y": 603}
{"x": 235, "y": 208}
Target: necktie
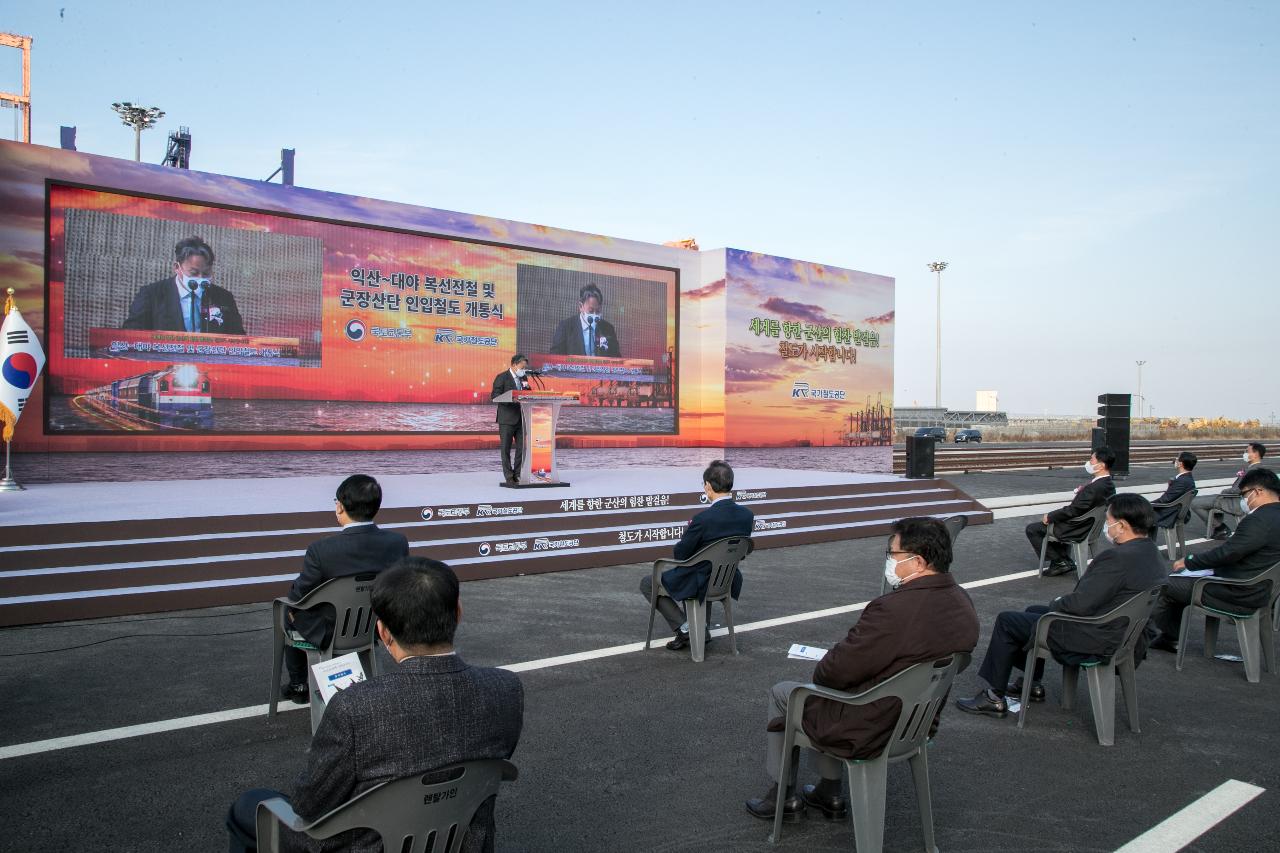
{"x": 193, "y": 322}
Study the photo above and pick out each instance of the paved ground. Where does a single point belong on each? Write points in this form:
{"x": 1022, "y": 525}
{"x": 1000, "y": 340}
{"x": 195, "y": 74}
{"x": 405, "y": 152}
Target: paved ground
{"x": 638, "y": 751}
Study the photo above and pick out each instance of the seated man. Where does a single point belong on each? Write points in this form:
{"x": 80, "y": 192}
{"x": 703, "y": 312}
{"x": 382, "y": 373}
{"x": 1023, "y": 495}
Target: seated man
{"x": 926, "y": 617}
{"x": 1182, "y": 482}
{"x": 723, "y": 519}
{"x": 1089, "y": 496}
{"x": 1213, "y": 510}
{"x": 1253, "y": 548}
{"x": 431, "y": 711}
{"x": 360, "y": 547}
{"x": 1115, "y": 576}
{"x": 187, "y": 300}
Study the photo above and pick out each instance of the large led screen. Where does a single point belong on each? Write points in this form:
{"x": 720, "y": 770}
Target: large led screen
{"x": 168, "y": 316}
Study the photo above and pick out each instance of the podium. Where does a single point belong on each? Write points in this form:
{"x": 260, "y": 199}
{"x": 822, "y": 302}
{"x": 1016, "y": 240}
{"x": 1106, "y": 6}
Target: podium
{"x": 539, "y": 413}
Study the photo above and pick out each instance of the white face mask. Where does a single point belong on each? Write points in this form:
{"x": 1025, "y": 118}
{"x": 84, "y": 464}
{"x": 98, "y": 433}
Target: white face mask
{"x": 200, "y": 283}
{"x": 592, "y": 318}
{"x": 1088, "y": 468}
{"x": 1245, "y": 456}
{"x": 891, "y": 574}
{"x": 1106, "y": 531}
{"x": 1244, "y": 506}
{"x": 520, "y": 371}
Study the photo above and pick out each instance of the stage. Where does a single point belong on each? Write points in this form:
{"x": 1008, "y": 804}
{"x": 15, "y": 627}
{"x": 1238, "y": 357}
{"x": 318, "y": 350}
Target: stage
{"x": 82, "y": 550}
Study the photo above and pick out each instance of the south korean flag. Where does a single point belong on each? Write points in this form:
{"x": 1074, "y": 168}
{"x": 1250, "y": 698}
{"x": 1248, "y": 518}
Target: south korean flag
{"x": 21, "y": 360}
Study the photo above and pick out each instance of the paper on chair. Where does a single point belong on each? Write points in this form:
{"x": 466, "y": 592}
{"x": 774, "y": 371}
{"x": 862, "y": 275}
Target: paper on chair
{"x": 802, "y": 652}
{"x": 337, "y": 674}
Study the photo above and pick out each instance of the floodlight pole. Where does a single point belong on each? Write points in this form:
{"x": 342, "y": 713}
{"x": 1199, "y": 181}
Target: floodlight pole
{"x": 938, "y": 267}
{"x": 139, "y": 118}
{"x": 1140, "y": 398}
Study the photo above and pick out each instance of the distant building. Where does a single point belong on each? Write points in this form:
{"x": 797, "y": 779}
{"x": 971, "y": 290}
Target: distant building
{"x": 988, "y": 401}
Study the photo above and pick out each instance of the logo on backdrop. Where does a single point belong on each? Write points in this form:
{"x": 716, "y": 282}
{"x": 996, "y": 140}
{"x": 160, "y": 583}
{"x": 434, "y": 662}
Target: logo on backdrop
{"x": 803, "y": 391}
{"x": 451, "y": 336}
{"x": 702, "y": 498}
{"x": 485, "y": 548}
{"x": 354, "y": 330}
{"x": 427, "y": 513}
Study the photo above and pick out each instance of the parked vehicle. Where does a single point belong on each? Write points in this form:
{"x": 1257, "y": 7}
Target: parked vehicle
{"x": 968, "y": 435}
{"x": 936, "y": 433}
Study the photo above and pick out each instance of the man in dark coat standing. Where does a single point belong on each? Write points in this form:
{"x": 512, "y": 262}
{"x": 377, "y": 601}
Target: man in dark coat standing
{"x": 510, "y": 423}
{"x": 1091, "y": 495}
{"x": 361, "y": 547}
{"x": 926, "y": 617}
{"x": 722, "y": 520}
{"x": 1116, "y": 575}
{"x": 432, "y": 710}
{"x": 188, "y": 300}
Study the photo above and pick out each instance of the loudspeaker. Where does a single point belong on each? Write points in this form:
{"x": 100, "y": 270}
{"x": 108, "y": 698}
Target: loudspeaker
{"x": 920, "y": 457}
{"x": 1113, "y": 428}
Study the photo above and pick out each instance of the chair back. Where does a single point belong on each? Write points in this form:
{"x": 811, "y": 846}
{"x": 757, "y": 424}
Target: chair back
{"x": 724, "y": 556}
{"x": 416, "y": 814}
{"x": 921, "y": 688}
{"x": 1184, "y": 505}
{"x": 954, "y": 524}
{"x": 353, "y": 614}
{"x": 1097, "y": 520}
{"x": 1137, "y": 610}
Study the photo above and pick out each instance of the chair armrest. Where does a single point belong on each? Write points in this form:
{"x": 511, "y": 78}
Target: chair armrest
{"x": 1198, "y": 585}
{"x": 1165, "y": 505}
{"x": 283, "y": 811}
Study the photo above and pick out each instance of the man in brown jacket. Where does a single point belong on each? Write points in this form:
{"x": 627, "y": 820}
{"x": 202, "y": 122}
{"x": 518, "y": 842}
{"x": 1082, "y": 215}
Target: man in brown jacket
{"x": 926, "y": 617}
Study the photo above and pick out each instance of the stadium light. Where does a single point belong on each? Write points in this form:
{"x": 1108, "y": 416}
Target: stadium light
{"x": 139, "y": 118}
{"x": 1141, "y": 400}
{"x": 938, "y": 267}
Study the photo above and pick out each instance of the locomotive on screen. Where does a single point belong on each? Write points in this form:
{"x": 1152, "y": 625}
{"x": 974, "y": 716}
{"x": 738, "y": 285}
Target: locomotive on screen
{"x": 174, "y": 398}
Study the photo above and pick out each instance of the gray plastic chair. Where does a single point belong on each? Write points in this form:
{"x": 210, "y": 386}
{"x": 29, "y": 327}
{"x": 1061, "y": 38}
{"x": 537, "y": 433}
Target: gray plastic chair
{"x": 1226, "y": 506}
{"x": 724, "y": 556}
{"x": 411, "y": 814}
{"x": 1100, "y": 674}
{"x": 953, "y": 523}
{"x": 352, "y": 632}
{"x": 921, "y": 688}
{"x": 1081, "y": 546}
{"x": 1175, "y": 535}
{"x": 1254, "y": 630}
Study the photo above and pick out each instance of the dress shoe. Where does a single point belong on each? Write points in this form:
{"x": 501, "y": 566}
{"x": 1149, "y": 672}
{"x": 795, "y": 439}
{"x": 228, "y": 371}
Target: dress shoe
{"x": 1220, "y": 532}
{"x": 832, "y": 806}
{"x": 1164, "y": 643}
{"x": 1014, "y": 690}
{"x": 681, "y": 641}
{"x": 765, "y": 807}
{"x": 1058, "y": 567}
{"x": 986, "y": 702}
{"x": 299, "y": 694}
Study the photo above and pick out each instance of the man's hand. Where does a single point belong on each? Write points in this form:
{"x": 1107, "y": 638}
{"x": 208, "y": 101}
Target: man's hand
{"x": 1180, "y": 565}
{"x": 1044, "y": 519}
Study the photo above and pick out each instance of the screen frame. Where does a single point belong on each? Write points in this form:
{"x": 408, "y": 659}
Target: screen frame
{"x": 50, "y": 183}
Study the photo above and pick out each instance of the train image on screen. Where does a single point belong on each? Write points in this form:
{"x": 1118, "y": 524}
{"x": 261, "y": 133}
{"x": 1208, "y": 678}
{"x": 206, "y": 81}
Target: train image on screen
{"x": 174, "y": 398}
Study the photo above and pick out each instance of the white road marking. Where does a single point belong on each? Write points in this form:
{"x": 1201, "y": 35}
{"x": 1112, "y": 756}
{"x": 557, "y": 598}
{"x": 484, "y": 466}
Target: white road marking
{"x": 107, "y": 735}
{"x": 1185, "y": 826}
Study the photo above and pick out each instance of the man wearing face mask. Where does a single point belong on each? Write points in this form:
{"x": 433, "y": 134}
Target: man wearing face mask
{"x": 1182, "y": 482}
{"x": 1134, "y": 565}
{"x": 926, "y": 617}
{"x": 1215, "y": 510}
{"x": 510, "y": 425}
{"x": 1253, "y": 548}
{"x": 587, "y": 333}
{"x": 187, "y": 300}
{"x": 1093, "y": 494}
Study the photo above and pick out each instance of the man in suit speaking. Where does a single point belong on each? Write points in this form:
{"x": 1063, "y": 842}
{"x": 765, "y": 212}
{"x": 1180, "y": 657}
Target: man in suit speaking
{"x": 361, "y": 547}
{"x": 723, "y": 519}
{"x": 510, "y": 424}
{"x": 430, "y": 711}
{"x": 187, "y": 301}
{"x": 587, "y": 333}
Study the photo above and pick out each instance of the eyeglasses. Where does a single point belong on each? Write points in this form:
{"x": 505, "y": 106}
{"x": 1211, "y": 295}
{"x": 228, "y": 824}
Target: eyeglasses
{"x": 889, "y": 552}
{"x": 1245, "y": 494}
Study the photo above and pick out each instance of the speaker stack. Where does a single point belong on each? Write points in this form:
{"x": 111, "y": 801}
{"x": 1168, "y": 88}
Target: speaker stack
{"x": 1113, "y": 428}
{"x": 920, "y": 450}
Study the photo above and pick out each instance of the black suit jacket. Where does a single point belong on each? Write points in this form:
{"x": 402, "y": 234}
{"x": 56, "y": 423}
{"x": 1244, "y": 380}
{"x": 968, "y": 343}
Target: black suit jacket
{"x": 1114, "y": 576}
{"x": 1178, "y": 486}
{"x": 567, "y": 339}
{"x": 1090, "y": 496}
{"x": 925, "y": 619}
{"x": 1253, "y": 548}
{"x": 721, "y": 520}
{"x": 359, "y": 549}
{"x": 508, "y": 413}
{"x": 428, "y": 712}
{"x": 158, "y": 306}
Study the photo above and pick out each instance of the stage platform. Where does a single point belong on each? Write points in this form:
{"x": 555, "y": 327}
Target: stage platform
{"x": 83, "y": 550}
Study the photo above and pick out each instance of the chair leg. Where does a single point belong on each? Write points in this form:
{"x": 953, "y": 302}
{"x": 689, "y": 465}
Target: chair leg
{"x": 277, "y": 656}
{"x": 1028, "y": 667}
{"x": 1082, "y": 558}
{"x": 728, "y": 618}
{"x": 1182, "y": 637}
{"x": 697, "y": 615}
{"x": 1210, "y": 635}
{"x": 1247, "y": 632}
{"x": 1070, "y": 679}
{"x": 653, "y": 608}
{"x": 1102, "y": 696}
{"x": 868, "y": 787}
{"x": 317, "y": 704}
{"x": 1129, "y": 686}
{"x": 924, "y": 800}
{"x": 790, "y": 755}
{"x": 1267, "y": 638}
{"x": 1044, "y": 549}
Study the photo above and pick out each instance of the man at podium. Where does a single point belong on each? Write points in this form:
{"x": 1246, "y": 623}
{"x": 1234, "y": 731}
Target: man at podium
{"x": 510, "y": 431}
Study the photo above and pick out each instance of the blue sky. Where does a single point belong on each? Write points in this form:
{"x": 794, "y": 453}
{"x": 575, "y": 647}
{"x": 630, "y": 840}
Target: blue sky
{"x": 1101, "y": 177}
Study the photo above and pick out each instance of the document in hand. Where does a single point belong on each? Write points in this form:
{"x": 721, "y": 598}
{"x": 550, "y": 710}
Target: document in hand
{"x": 1193, "y": 573}
{"x": 337, "y": 674}
{"x": 801, "y": 652}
